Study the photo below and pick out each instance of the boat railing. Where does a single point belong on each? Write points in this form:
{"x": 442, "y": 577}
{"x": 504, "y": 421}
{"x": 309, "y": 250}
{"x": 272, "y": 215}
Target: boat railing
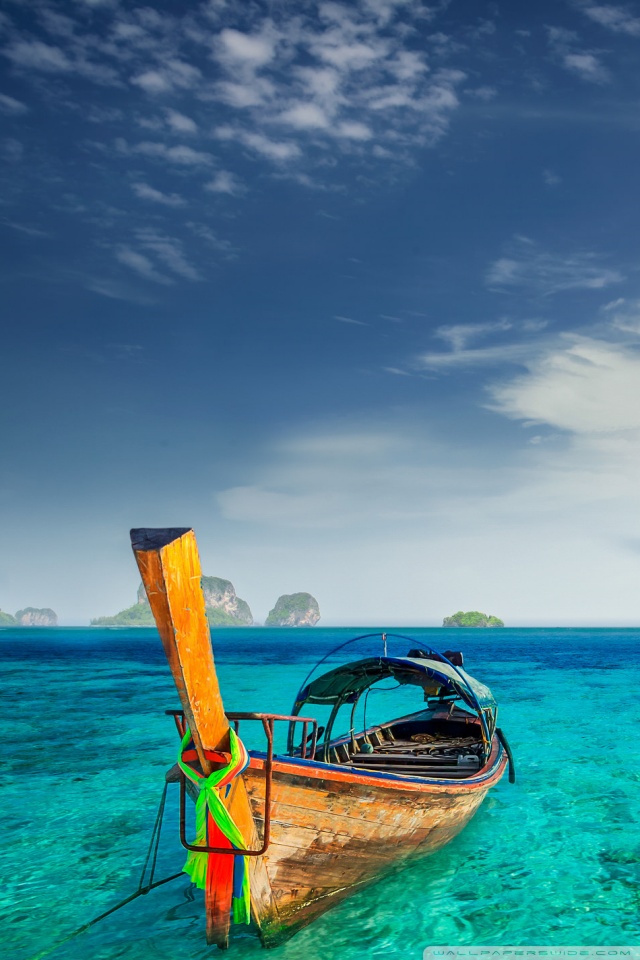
{"x": 268, "y": 720}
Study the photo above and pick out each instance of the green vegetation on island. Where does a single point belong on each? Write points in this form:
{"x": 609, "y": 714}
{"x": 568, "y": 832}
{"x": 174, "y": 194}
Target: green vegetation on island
{"x": 6, "y": 620}
{"x": 294, "y": 610}
{"x": 223, "y": 608}
{"x": 139, "y": 615}
{"x": 472, "y": 618}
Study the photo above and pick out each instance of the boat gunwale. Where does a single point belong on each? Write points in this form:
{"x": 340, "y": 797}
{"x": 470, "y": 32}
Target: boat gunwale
{"x": 316, "y": 769}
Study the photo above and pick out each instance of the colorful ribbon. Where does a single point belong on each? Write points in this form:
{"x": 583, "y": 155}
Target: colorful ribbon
{"x": 215, "y": 826}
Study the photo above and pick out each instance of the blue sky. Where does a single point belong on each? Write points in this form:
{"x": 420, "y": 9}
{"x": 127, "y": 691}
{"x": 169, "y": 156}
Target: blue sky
{"x": 352, "y": 288}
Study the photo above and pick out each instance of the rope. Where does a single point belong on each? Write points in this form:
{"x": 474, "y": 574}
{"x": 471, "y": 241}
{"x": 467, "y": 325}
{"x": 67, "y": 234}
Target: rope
{"x": 154, "y": 843}
{"x": 152, "y": 854}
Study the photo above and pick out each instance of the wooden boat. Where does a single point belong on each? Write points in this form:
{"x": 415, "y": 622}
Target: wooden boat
{"x": 333, "y": 813}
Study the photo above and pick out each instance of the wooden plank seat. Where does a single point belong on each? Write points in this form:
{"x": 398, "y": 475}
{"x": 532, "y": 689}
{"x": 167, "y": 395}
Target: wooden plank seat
{"x": 455, "y": 772}
{"x": 381, "y": 759}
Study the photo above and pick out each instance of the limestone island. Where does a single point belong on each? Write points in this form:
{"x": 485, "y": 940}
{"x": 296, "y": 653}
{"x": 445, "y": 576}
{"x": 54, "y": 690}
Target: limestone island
{"x": 223, "y": 608}
{"x": 472, "y": 618}
{"x": 294, "y": 610}
{"x": 30, "y": 617}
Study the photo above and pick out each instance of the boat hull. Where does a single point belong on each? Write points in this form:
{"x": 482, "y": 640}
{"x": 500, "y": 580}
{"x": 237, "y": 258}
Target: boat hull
{"x": 335, "y": 829}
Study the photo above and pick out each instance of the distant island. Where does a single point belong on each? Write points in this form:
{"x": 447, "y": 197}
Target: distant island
{"x": 472, "y": 618}
{"x": 30, "y": 617}
{"x": 223, "y": 607}
{"x": 294, "y": 610}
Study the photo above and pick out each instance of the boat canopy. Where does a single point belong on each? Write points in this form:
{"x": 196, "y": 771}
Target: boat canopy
{"x": 345, "y": 683}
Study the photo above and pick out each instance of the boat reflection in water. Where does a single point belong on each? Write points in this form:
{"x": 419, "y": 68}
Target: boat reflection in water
{"x": 286, "y": 836}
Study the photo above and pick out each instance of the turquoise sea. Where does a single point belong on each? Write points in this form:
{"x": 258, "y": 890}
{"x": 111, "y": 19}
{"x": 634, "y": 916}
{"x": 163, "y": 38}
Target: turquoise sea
{"x": 553, "y": 860}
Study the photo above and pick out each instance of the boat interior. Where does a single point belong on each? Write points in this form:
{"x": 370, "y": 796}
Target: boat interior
{"x": 431, "y": 743}
{"x": 449, "y": 738}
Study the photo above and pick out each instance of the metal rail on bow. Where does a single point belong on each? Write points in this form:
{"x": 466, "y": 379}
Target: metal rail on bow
{"x": 267, "y": 720}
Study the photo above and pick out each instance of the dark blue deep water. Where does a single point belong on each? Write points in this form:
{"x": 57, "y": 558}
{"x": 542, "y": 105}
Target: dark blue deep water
{"x": 554, "y": 859}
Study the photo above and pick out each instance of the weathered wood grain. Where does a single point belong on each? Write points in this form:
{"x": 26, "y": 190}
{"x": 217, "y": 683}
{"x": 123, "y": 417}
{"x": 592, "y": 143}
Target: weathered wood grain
{"x": 331, "y": 835}
{"x": 171, "y": 574}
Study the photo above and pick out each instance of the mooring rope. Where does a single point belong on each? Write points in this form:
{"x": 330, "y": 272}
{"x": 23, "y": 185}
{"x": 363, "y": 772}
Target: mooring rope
{"x": 143, "y": 889}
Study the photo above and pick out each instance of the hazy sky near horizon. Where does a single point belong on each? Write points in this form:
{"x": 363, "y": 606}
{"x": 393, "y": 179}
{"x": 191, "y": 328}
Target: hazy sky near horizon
{"x": 351, "y": 288}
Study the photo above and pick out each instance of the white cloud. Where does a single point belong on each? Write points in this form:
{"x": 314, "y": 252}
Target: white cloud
{"x": 354, "y": 130}
{"x": 494, "y": 356}
{"x": 153, "y": 81}
{"x": 12, "y": 106}
{"x": 484, "y": 93}
{"x": 359, "y": 323}
{"x": 546, "y": 273}
{"x": 587, "y": 66}
{"x": 175, "y": 74}
{"x": 580, "y": 385}
{"x": 243, "y": 48}
{"x": 460, "y": 334}
{"x": 251, "y": 93}
{"x": 225, "y": 182}
{"x": 583, "y": 63}
{"x": 36, "y": 55}
{"x": 332, "y": 80}
{"x": 141, "y": 265}
{"x": 305, "y": 116}
{"x": 277, "y": 150}
{"x": 551, "y": 178}
{"x": 541, "y": 540}
{"x": 147, "y": 192}
{"x": 623, "y": 314}
{"x": 180, "y": 154}
{"x": 180, "y": 123}
{"x": 614, "y": 18}
{"x": 169, "y": 251}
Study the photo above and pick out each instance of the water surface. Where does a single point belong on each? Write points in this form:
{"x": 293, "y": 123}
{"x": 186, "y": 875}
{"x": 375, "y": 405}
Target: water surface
{"x": 554, "y": 859}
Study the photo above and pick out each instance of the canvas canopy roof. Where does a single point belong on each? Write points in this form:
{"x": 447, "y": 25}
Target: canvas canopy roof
{"x": 346, "y": 682}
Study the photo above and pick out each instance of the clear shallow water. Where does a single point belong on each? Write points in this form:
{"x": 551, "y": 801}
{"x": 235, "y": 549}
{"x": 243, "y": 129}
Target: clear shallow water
{"x": 554, "y": 859}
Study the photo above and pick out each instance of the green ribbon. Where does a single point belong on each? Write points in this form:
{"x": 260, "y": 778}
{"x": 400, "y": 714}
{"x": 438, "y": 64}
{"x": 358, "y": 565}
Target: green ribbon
{"x": 209, "y": 800}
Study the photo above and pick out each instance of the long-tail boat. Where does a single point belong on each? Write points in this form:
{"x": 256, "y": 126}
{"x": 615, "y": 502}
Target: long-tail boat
{"x": 281, "y": 838}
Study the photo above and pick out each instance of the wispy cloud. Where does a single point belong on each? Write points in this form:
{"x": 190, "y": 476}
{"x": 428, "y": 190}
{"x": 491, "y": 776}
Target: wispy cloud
{"x": 614, "y": 18}
{"x": 180, "y": 123}
{"x": 225, "y": 182}
{"x": 146, "y": 192}
{"x": 460, "y": 334}
{"x": 623, "y": 314}
{"x": 544, "y": 273}
{"x": 169, "y": 251}
{"x": 174, "y": 75}
{"x": 276, "y": 150}
{"x": 36, "y": 55}
{"x": 564, "y": 45}
{"x": 141, "y": 265}
{"x": 493, "y": 356}
{"x": 551, "y": 178}
{"x": 578, "y": 384}
{"x": 587, "y": 66}
{"x": 11, "y": 106}
{"x": 334, "y": 81}
{"x": 358, "y": 323}
{"x": 180, "y": 154}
